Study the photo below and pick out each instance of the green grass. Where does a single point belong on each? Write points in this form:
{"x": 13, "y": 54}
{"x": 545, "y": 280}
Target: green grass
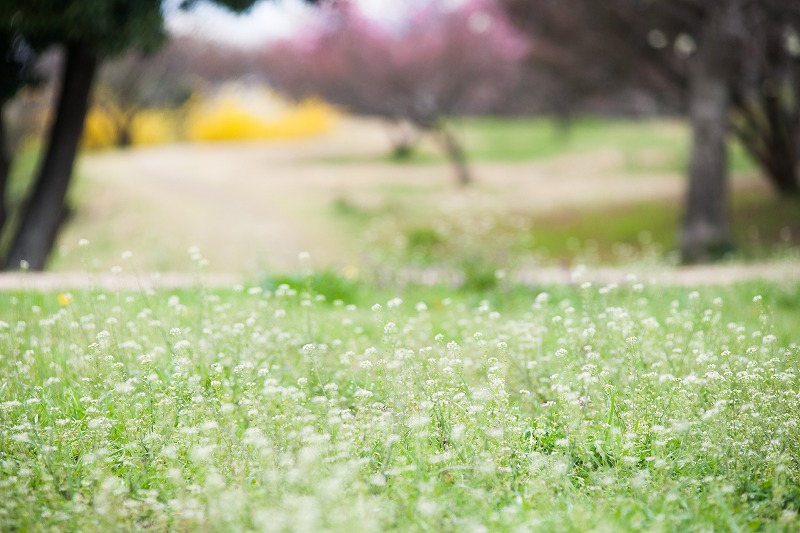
{"x": 524, "y": 139}
{"x": 22, "y": 173}
{"x": 635, "y": 407}
{"x": 647, "y": 146}
{"x": 658, "y": 146}
{"x": 405, "y": 231}
{"x": 762, "y": 226}
{"x": 23, "y": 167}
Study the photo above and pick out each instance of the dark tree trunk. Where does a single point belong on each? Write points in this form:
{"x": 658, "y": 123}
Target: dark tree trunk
{"x": 455, "y": 153}
{"x": 125, "y": 138}
{"x": 783, "y": 142}
{"x": 125, "y": 132}
{"x": 783, "y": 176}
{"x": 45, "y": 210}
{"x": 706, "y": 233}
{"x": 770, "y": 133}
{"x": 781, "y": 169}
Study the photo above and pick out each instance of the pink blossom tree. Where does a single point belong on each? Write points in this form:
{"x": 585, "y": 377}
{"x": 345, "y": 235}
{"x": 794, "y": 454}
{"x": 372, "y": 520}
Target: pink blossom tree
{"x": 439, "y": 59}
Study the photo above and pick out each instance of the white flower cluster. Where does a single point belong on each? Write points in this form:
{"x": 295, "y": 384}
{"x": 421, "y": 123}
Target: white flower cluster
{"x": 258, "y": 410}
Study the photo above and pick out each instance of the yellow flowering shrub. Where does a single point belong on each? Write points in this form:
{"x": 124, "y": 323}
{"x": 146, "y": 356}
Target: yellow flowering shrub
{"x": 99, "y": 131}
{"x": 255, "y": 115}
{"x": 226, "y": 120}
{"x": 235, "y": 113}
{"x": 150, "y": 126}
{"x": 155, "y": 126}
{"x": 308, "y": 119}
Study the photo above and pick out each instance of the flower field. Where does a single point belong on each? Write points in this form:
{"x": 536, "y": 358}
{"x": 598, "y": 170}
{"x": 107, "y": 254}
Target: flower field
{"x": 293, "y": 407}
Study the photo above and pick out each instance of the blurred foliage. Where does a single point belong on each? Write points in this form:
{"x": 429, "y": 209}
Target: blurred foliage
{"x": 99, "y": 131}
{"x": 229, "y": 117}
{"x": 426, "y": 242}
{"x": 155, "y": 126}
{"x": 477, "y": 243}
{"x": 332, "y": 285}
{"x": 762, "y": 227}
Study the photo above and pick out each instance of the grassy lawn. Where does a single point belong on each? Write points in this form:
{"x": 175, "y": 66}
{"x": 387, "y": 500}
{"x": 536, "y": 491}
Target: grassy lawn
{"x": 638, "y": 408}
{"x": 23, "y": 167}
{"x": 763, "y": 227}
{"x": 404, "y": 231}
{"x": 649, "y": 146}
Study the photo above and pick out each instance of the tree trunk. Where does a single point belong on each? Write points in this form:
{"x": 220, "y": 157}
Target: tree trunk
{"x": 769, "y": 129}
{"x": 455, "y": 153}
{"x": 45, "y": 210}
{"x": 782, "y": 145}
{"x": 125, "y": 131}
{"x": 780, "y": 100}
{"x": 125, "y": 138}
{"x": 782, "y": 171}
{"x": 706, "y": 233}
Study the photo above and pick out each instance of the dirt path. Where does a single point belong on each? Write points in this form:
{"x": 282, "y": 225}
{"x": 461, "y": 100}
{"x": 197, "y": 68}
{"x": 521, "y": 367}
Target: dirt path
{"x": 786, "y": 272}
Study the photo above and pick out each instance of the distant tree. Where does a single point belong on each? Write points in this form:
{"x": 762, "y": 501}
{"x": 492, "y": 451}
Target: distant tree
{"x": 766, "y": 93}
{"x": 134, "y": 81}
{"x": 88, "y": 31}
{"x": 720, "y": 59}
{"x": 440, "y": 60}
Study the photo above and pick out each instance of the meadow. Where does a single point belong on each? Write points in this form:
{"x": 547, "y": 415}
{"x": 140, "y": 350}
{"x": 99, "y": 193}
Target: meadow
{"x": 316, "y": 403}
{"x": 345, "y": 395}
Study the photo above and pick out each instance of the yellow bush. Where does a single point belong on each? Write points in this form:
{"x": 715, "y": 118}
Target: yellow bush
{"x": 236, "y": 113}
{"x": 154, "y": 126}
{"x": 151, "y": 126}
{"x": 226, "y": 120}
{"x": 99, "y": 131}
{"x": 308, "y": 119}
{"x": 255, "y": 115}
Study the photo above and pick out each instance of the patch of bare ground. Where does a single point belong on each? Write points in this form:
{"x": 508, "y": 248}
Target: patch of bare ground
{"x": 62, "y": 281}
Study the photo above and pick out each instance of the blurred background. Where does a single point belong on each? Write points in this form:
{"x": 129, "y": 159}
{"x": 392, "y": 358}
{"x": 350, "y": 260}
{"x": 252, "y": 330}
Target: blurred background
{"x": 469, "y": 136}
